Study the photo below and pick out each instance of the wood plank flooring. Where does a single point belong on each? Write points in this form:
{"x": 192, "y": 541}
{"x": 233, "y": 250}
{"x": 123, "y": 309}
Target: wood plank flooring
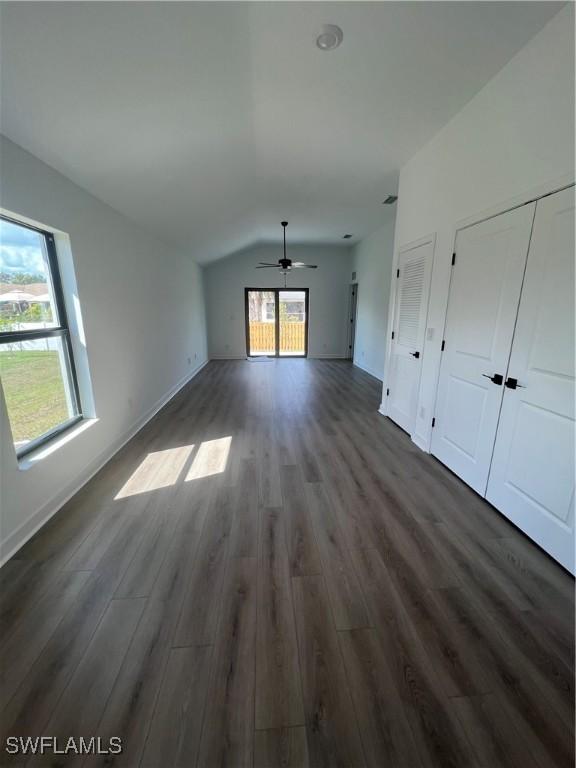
{"x": 271, "y": 574}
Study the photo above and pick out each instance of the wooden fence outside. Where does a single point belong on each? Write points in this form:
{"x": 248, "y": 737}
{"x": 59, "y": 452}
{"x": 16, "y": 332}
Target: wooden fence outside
{"x": 291, "y": 337}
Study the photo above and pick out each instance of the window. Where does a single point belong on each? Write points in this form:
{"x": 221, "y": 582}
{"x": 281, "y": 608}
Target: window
{"x": 36, "y": 365}
{"x": 270, "y": 311}
{"x": 293, "y": 311}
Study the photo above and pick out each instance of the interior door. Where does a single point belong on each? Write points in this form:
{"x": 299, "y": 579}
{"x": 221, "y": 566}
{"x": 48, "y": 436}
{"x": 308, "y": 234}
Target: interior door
{"x": 411, "y": 309}
{"x": 532, "y": 474}
{"x": 484, "y": 295}
{"x": 353, "y": 310}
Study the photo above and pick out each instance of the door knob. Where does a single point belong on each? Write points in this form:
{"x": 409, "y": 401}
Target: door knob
{"x": 415, "y": 354}
{"x": 495, "y": 379}
{"x": 512, "y": 383}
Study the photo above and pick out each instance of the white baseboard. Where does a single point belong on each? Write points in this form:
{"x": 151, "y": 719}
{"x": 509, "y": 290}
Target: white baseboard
{"x": 366, "y": 369}
{"x": 420, "y": 442}
{"x": 227, "y": 357}
{"x": 310, "y": 357}
{"x": 28, "y": 528}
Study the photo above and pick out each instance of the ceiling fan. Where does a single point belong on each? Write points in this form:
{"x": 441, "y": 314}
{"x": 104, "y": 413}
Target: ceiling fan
{"x": 285, "y": 265}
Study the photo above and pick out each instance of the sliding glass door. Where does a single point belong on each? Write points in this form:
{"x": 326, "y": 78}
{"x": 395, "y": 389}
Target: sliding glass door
{"x": 276, "y": 322}
{"x": 293, "y": 313}
{"x": 261, "y": 318}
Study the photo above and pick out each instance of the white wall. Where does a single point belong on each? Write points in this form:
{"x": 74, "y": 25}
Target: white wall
{"x": 372, "y": 262}
{"x": 143, "y": 314}
{"x": 224, "y": 284}
{"x": 514, "y": 138}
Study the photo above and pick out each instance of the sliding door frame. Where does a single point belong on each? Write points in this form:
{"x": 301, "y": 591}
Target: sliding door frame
{"x": 276, "y": 292}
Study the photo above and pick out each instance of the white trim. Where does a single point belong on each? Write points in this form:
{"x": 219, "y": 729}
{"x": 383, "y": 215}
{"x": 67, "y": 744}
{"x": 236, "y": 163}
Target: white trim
{"x": 327, "y": 356}
{"x": 423, "y": 441}
{"x": 321, "y": 356}
{"x": 367, "y": 370}
{"x": 530, "y": 196}
{"x": 38, "y": 519}
{"x": 29, "y": 460}
{"x": 413, "y": 244}
{"x": 416, "y": 439}
{"x": 420, "y": 442}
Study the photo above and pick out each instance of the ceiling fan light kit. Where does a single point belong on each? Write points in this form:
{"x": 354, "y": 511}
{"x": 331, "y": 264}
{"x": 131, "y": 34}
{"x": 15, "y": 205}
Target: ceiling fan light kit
{"x": 285, "y": 265}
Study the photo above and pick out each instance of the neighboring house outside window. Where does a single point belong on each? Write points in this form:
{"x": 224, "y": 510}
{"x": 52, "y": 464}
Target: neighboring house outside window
{"x": 269, "y": 312}
{"x": 293, "y": 311}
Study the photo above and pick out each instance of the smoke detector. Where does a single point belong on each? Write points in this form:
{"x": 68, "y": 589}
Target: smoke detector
{"x": 329, "y": 38}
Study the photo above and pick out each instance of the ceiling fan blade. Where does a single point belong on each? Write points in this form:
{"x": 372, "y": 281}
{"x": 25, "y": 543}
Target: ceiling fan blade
{"x": 268, "y": 266}
{"x": 305, "y": 266}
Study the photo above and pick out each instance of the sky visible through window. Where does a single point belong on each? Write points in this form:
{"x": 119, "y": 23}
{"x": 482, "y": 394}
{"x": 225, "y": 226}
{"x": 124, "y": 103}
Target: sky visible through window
{"x": 25, "y": 288}
{"x": 21, "y": 253}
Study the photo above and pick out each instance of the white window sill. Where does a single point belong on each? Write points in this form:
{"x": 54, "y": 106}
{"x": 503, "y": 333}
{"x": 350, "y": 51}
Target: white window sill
{"x": 43, "y": 451}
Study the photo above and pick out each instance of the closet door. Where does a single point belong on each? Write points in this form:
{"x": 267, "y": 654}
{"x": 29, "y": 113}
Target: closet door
{"x": 532, "y": 475}
{"x": 484, "y": 295}
{"x": 411, "y": 309}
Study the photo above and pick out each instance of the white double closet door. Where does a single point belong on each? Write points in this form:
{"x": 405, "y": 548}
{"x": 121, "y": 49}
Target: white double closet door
{"x": 505, "y": 411}
{"x": 484, "y": 294}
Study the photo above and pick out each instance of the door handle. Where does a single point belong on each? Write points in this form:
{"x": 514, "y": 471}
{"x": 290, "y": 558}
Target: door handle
{"x": 512, "y": 383}
{"x": 495, "y": 379}
{"x": 415, "y": 354}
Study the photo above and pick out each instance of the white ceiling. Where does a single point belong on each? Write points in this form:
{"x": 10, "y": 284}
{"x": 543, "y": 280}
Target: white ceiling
{"x": 208, "y": 123}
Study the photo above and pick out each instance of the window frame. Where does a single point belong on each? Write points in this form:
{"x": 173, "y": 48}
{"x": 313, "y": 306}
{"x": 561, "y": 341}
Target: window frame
{"x": 277, "y": 292}
{"x": 62, "y": 331}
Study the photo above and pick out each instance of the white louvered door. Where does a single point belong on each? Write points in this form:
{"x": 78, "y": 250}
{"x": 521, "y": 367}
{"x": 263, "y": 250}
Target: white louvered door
{"x": 411, "y": 308}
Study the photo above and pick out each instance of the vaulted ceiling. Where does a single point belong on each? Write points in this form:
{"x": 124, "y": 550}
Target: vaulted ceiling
{"x": 208, "y": 123}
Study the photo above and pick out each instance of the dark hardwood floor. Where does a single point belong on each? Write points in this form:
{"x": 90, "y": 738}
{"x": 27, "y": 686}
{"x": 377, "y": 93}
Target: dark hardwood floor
{"x": 271, "y": 574}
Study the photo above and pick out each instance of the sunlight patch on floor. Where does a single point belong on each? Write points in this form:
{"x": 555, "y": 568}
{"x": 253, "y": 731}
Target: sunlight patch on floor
{"x": 211, "y": 459}
{"x": 159, "y": 469}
